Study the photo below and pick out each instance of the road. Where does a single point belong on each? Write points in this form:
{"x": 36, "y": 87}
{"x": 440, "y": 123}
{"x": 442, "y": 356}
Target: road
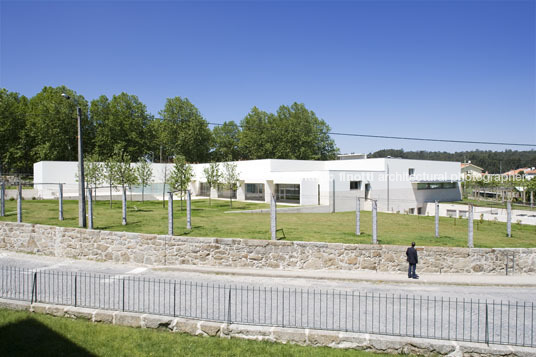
{"x": 499, "y": 314}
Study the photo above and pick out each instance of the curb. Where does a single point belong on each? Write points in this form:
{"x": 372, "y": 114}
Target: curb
{"x": 305, "y": 337}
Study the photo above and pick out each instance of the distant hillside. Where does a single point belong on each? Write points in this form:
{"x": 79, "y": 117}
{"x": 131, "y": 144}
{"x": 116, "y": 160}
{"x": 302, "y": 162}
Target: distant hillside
{"x": 492, "y": 161}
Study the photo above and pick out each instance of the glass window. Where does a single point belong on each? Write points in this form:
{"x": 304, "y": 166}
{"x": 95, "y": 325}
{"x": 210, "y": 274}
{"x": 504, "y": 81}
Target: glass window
{"x": 204, "y": 189}
{"x": 411, "y": 172}
{"x": 288, "y": 193}
{"x": 355, "y": 185}
{"x": 436, "y": 185}
{"x": 224, "y": 192}
{"x": 255, "y": 191}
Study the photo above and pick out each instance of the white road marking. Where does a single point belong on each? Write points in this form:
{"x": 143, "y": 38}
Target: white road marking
{"x": 136, "y": 271}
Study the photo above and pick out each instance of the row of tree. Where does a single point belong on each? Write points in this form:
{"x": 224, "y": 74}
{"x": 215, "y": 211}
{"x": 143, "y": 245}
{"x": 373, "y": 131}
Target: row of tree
{"x": 119, "y": 171}
{"x": 494, "y": 162}
{"x": 44, "y": 128}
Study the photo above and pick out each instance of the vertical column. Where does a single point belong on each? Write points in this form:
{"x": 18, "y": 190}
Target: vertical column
{"x": 170, "y": 213}
{"x": 2, "y": 199}
{"x": 333, "y": 201}
{"x": 124, "y": 221}
{"x": 374, "y": 222}
{"x": 188, "y": 209}
{"x": 273, "y": 217}
{"x": 89, "y": 209}
{"x": 60, "y": 197}
{"x": 19, "y": 204}
{"x": 470, "y": 227}
{"x": 437, "y": 219}
{"x": 532, "y": 199}
{"x": 358, "y": 216}
{"x": 509, "y": 218}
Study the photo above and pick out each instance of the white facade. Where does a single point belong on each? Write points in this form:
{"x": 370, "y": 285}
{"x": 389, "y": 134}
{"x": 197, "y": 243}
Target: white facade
{"x": 397, "y": 184}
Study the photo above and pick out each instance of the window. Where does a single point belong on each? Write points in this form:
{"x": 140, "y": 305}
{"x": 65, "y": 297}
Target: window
{"x": 255, "y": 191}
{"x": 436, "y": 185}
{"x": 355, "y": 185}
{"x": 204, "y": 189}
{"x": 224, "y": 192}
{"x": 411, "y": 172}
{"x": 287, "y": 193}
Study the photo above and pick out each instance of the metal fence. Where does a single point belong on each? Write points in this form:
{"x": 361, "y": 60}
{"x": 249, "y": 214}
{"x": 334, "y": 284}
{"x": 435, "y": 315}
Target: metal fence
{"x": 483, "y": 321}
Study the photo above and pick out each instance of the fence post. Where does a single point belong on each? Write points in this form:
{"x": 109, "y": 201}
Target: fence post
{"x": 188, "y": 209}
{"x": 170, "y": 213}
{"x": 487, "y": 325}
{"x": 124, "y": 221}
{"x": 75, "y": 289}
{"x": 358, "y": 216}
{"x": 19, "y": 203}
{"x": 90, "y": 209}
{"x": 273, "y": 217}
{"x": 2, "y": 199}
{"x": 229, "y": 307}
{"x": 509, "y": 218}
{"x": 374, "y": 222}
{"x": 437, "y": 219}
{"x": 123, "y": 307}
{"x": 531, "y": 199}
{"x": 34, "y": 289}
{"x": 470, "y": 227}
{"x": 60, "y": 197}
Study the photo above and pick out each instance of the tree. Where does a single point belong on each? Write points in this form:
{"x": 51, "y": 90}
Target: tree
{"x": 144, "y": 174}
{"x": 181, "y": 176}
{"x": 122, "y": 121}
{"x": 183, "y": 131}
{"x": 256, "y": 140}
{"x": 230, "y": 179}
{"x": 93, "y": 173}
{"x": 124, "y": 172}
{"x": 13, "y": 151}
{"x": 226, "y": 142}
{"x": 213, "y": 177}
{"x": 301, "y": 135}
{"x": 109, "y": 174}
{"x": 52, "y": 126}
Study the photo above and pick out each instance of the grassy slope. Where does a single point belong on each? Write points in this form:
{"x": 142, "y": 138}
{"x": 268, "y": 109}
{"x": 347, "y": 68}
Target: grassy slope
{"x": 151, "y": 217}
{"x": 26, "y": 334}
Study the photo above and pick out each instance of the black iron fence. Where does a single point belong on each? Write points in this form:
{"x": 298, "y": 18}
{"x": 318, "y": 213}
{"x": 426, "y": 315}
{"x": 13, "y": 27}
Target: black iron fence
{"x": 472, "y": 320}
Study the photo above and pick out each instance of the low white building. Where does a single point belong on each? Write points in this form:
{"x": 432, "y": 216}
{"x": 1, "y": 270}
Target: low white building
{"x": 395, "y": 184}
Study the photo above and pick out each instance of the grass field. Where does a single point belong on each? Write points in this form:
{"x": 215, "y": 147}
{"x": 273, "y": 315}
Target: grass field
{"x": 213, "y": 221}
{"x": 25, "y": 334}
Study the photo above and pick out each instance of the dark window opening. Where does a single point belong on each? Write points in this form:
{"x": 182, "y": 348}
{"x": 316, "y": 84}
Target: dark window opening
{"x": 355, "y": 185}
{"x": 287, "y": 193}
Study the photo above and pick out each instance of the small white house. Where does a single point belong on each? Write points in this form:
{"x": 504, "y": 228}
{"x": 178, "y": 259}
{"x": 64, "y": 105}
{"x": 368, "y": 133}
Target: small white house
{"x": 397, "y": 185}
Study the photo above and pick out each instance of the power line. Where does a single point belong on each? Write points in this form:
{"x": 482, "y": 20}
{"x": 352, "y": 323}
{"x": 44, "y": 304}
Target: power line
{"x": 418, "y": 139}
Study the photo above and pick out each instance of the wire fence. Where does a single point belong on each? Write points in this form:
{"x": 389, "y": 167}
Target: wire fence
{"x": 432, "y": 317}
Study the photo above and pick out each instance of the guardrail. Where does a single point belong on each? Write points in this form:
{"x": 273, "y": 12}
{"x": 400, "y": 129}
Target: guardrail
{"x": 470, "y": 320}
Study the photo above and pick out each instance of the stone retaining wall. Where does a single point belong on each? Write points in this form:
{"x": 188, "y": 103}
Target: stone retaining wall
{"x": 306, "y": 337}
{"x": 152, "y": 249}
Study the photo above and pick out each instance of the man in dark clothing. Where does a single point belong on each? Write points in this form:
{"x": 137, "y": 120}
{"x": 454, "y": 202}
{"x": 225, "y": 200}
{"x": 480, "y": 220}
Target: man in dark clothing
{"x": 411, "y": 253}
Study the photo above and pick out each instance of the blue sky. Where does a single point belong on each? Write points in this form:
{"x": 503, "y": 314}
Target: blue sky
{"x": 460, "y": 70}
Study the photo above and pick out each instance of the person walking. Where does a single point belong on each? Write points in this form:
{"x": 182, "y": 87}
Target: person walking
{"x": 413, "y": 259}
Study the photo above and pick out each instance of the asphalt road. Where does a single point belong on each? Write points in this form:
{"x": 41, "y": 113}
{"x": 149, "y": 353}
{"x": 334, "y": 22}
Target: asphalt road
{"x": 500, "y": 314}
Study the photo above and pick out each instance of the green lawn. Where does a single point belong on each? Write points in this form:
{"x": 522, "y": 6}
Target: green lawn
{"x": 400, "y": 229}
{"x": 26, "y": 334}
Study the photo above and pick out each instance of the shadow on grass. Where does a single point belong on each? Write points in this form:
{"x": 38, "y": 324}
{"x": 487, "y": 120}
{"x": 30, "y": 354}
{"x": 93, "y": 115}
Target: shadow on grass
{"x": 30, "y": 337}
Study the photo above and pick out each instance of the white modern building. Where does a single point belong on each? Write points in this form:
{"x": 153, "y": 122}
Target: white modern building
{"x": 397, "y": 185}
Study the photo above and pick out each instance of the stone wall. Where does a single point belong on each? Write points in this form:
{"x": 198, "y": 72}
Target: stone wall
{"x": 305, "y": 337}
{"x": 152, "y": 249}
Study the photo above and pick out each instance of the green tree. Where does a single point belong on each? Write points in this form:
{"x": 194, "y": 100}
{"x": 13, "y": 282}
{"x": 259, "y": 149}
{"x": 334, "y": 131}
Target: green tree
{"x": 226, "y": 142}
{"x": 213, "y": 176}
{"x": 301, "y": 135}
{"x": 52, "y": 125}
{"x": 144, "y": 174}
{"x": 109, "y": 174}
{"x": 256, "y": 140}
{"x": 13, "y": 149}
{"x": 124, "y": 172}
{"x": 93, "y": 173}
{"x": 181, "y": 176}
{"x": 122, "y": 121}
{"x": 230, "y": 178}
{"x": 183, "y": 131}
